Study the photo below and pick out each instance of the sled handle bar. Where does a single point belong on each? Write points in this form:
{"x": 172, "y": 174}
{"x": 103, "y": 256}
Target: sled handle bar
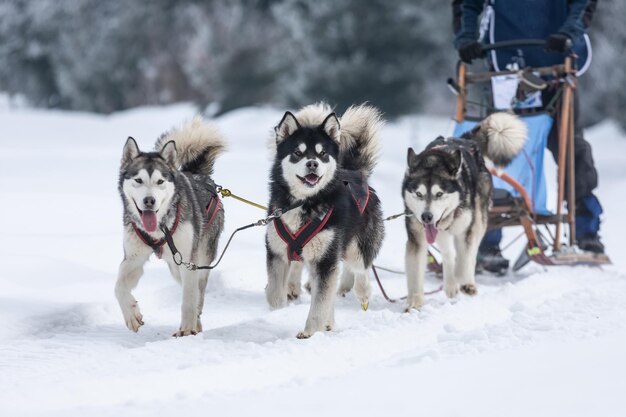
{"x": 520, "y": 43}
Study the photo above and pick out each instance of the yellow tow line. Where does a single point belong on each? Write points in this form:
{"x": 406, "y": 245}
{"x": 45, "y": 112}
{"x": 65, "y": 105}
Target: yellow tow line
{"x": 225, "y": 192}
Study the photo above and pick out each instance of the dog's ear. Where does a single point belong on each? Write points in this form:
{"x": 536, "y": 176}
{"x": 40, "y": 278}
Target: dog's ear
{"x": 168, "y": 152}
{"x": 287, "y": 126}
{"x": 456, "y": 164}
{"x": 331, "y": 127}
{"x": 411, "y": 158}
{"x": 131, "y": 151}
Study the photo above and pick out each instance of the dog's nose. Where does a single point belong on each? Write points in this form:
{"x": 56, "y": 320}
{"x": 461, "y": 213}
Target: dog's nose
{"x": 427, "y": 217}
{"x": 312, "y": 165}
{"x": 148, "y": 202}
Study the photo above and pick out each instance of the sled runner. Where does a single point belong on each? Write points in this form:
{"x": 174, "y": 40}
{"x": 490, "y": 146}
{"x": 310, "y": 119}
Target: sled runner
{"x": 520, "y": 191}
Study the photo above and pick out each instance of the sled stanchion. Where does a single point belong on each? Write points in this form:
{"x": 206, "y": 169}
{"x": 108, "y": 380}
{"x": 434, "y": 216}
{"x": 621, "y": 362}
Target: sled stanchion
{"x": 571, "y": 165}
{"x": 460, "y": 98}
{"x": 564, "y": 135}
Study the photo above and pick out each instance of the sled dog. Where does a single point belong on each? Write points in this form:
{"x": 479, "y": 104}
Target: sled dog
{"x": 170, "y": 188}
{"x": 447, "y": 193}
{"x": 321, "y": 166}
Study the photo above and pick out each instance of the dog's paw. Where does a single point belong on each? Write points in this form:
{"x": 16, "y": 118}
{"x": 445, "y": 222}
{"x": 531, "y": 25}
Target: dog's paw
{"x": 414, "y": 302}
{"x": 188, "y": 332}
{"x": 451, "y": 290}
{"x": 303, "y": 335}
{"x": 133, "y": 318}
{"x": 292, "y": 295}
{"x": 276, "y": 298}
{"x": 199, "y": 326}
{"x": 342, "y": 291}
{"x": 362, "y": 298}
{"x": 293, "y": 290}
{"x": 412, "y": 306}
{"x": 363, "y": 292}
{"x": 469, "y": 289}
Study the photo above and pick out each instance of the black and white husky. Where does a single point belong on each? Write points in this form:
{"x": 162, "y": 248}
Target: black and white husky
{"x": 321, "y": 165}
{"x": 170, "y": 188}
{"x": 447, "y": 191}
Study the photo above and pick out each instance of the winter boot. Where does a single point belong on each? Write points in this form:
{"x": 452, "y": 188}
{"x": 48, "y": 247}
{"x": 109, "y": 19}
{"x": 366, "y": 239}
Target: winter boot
{"x": 591, "y": 243}
{"x": 491, "y": 260}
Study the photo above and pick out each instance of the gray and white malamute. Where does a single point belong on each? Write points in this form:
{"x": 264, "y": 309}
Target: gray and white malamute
{"x": 447, "y": 191}
{"x": 321, "y": 165}
{"x": 170, "y": 188}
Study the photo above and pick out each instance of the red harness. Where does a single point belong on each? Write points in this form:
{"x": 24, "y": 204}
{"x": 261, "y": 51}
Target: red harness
{"x": 157, "y": 245}
{"x": 296, "y": 242}
{"x": 360, "y": 191}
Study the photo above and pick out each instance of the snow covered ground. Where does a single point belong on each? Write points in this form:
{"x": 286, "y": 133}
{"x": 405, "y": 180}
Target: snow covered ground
{"x": 545, "y": 342}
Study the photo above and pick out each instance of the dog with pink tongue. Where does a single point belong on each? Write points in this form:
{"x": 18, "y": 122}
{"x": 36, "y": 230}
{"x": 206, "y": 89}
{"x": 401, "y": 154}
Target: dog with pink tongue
{"x": 170, "y": 189}
{"x": 447, "y": 193}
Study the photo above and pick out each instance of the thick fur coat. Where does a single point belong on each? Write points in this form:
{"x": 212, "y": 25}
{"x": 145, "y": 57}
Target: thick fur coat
{"x": 322, "y": 164}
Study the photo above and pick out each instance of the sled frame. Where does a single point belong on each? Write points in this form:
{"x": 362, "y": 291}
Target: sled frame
{"x": 520, "y": 212}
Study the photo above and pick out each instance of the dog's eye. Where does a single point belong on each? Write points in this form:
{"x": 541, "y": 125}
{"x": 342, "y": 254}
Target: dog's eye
{"x": 439, "y": 194}
{"x": 418, "y": 194}
{"x": 298, "y": 153}
{"x": 159, "y": 182}
{"x": 322, "y": 153}
{"x": 138, "y": 181}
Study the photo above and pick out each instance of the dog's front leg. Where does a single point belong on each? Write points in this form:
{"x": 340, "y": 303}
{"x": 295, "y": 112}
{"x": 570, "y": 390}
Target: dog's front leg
{"x": 277, "y": 271}
{"x": 467, "y": 250}
{"x": 202, "y": 283}
{"x": 127, "y": 279}
{"x": 415, "y": 266}
{"x": 445, "y": 241}
{"x": 323, "y": 290}
{"x": 191, "y": 299}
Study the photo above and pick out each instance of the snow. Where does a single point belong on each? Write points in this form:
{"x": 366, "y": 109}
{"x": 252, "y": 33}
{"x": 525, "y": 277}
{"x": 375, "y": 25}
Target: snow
{"x": 543, "y": 342}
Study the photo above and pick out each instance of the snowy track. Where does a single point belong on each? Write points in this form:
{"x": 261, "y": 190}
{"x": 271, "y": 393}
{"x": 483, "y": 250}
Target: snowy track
{"x": 546, "y": 342}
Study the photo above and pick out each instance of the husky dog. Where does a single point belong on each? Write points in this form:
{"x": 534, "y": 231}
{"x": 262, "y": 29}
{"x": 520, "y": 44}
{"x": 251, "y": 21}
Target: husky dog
{"x": 447, "y": 191}
{"x": 170, "y": 188}
{"x": 321, "y": 167}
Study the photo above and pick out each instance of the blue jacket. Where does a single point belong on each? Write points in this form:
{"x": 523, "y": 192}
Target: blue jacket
{"x": 522, "y": 19}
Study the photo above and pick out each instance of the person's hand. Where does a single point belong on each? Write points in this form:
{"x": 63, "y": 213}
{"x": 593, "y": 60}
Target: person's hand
{"x": 558, "y": 42}
{"x": 471, "y": 51}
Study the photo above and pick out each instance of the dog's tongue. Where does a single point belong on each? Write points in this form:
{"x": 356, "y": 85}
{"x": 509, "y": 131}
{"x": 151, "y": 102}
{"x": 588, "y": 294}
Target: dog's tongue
{"x": 431, "y": 233}
{"x": 312, "y": 179}
{"x": 149, "y": 220}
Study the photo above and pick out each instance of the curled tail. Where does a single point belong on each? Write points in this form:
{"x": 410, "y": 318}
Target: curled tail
{"x": 198, "y": 144}
{"x": 500, "y": 137}
{"x": 359, "y": 145}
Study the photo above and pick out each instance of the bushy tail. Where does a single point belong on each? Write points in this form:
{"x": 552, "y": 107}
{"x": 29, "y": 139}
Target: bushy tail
{"x": 500, "y": 136}
{"x": 198, "y": 144}
{"x": 359, "y": 145}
